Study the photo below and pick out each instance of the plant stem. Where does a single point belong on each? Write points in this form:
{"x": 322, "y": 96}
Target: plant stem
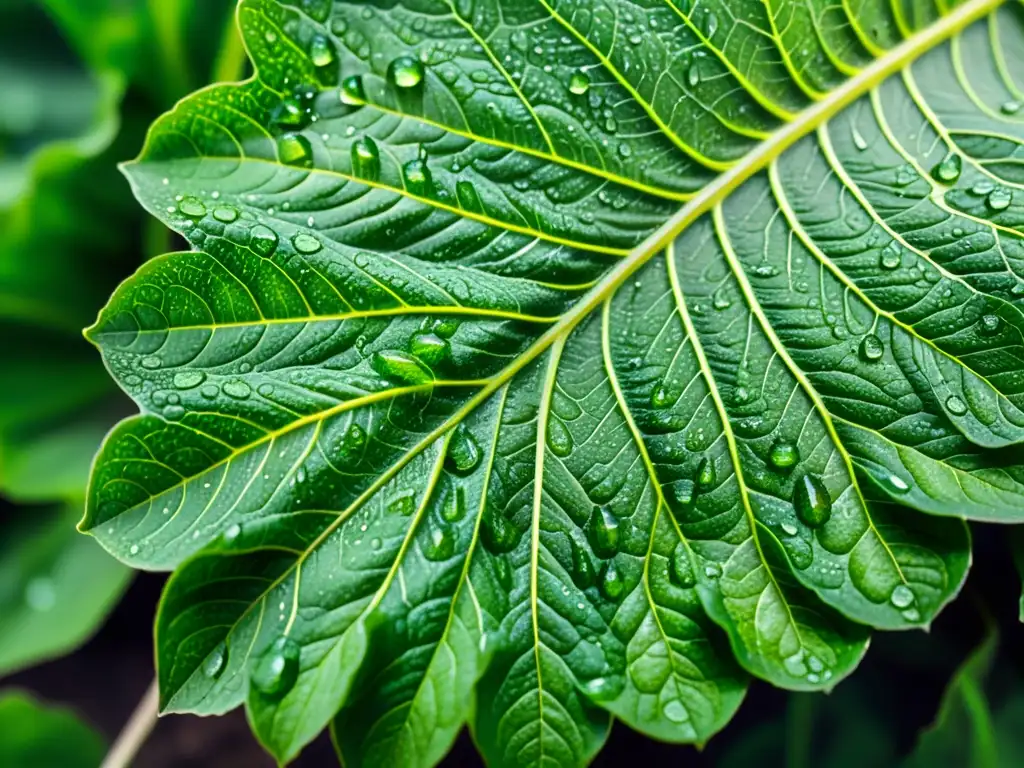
{"x": 134, "y": 734}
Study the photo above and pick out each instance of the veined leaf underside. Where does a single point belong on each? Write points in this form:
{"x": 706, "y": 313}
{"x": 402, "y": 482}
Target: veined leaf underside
{"x": 542, "y": 362}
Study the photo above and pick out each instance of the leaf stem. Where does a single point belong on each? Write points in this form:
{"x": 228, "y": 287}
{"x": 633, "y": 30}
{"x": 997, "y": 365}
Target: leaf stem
{"x": 135, "y": 732}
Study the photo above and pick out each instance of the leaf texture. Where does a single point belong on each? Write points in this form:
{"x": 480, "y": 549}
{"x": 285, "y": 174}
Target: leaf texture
{"x": 543, "y": 362}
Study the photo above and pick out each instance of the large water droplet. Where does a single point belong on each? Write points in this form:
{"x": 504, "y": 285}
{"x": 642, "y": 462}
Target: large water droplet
{"x": 956, "y": 405}
{"x": 237, "y": 389}
{"x": 403, "y": 503}
{"x": 468, "y": 197}
{"x": 603, "y": 532}
{"x": 675, "y": 712}
{"x": 263, "y": 240}
{"x": 998, "y": 199}
{"x": 306, "y": 244}
{"x": 366, "y": 158}
{"x": 405, "y": 72}
{"x": 225, "y": 214}
{"x": 192, "y": 207}
{"x": 784, "y": 454}
{"x": 898, "y": 484}
{"x": 891, "y": 257}
{"x": 707, "y": 477}
{"x": 291, "y": 112}
{"x": 400, "y": 367}
{"x": 497, "y": 533}
{"x": 661, "y": 397}
{"x": 579, "y": 82}
{"x": 352, "y": 92}
{"x": 681, "y": 571}
{"x": 428, "y": 347}
{"x": 277, "y": 669}
{"x": 463, "y": 451}
{"x": 454, "y": 507}
{"x": 812, "y": 501}
{"x": 871, "y": 348}
{"x": 1011, "y": 107}
{"x": 215, "y": 662}
{"x": 440, "y": 545}
{"x": 613, "y": 584}
{"x": 989, "y": 325}
{"x": 583, "y": 575}
{"x": 902, "y": 596}
{"x": 559, "y": 438}
{"x": 189, "y": 379}
{"x": 418, "y": 179}
{"x": 949, "y": 169}
{"x": 321, "y": 52}
{"x": 294, "y": 149}
{"x": 680, "y": 494}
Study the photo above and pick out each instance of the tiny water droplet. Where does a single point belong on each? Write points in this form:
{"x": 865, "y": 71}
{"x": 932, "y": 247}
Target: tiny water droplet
{"x": 579, "y": 83}
{"x": 693, "y": 75}
{"x": 225, "y": 214}
{"x": 263, "y": 241}
{"x": 898, "y": 484}
{"x": 277, "y": 669}
{"x": 216, "y": 661}
{"x": 294, "y": 149}
{"x": 306, "y": 244}
{"x": 858, "y": 140}
{"x": 603, "y": 532}
{"x": 783, "y": 454}
{"x": 871, "y": 348}
{"x": 134, "y": 549}
{"x": 405, "y": 72}
{"x": 712, "y": 570}
{"x": 661, "y": 397}
{"x": 956, "y": 405}
{"x": 812, "y": 501}
{"x": 949, "y": 169}
{"x": 902, "y": 596}
{"x": 232, "y": 532}
{"x": 463, "y": 451}
{"x": 468, "y": 197}
{"x": 404, "y": 503}
{"x": 366, "y": 158}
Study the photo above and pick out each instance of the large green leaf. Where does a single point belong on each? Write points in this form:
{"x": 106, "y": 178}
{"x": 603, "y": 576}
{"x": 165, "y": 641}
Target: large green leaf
{"x": 33, "y": 735}
{"x": 543, "y": 361}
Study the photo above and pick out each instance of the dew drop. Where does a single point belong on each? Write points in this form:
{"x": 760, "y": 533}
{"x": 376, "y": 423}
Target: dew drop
{"x": 559, "y": 439}
{"x": 612, "y": 582}
{"x": 151, "y": 363}
{"x": 680, "y": 493}
{"x": 783, "y": 454}
{"x": 174, "y": 412}
{"x": 812, "y": 501}
{"x": 603, "y": 532}
{"x": 429, "y": 347}
{"x": 214, "y": 665}
{"x": 321, "y": 52}
{"x": 583, "y": 575}
{"x": 366, "y": 158}
{"x": 902, "y": 596}
{"x": 263, "y": 241}
{"x": 468, "y": 197}
{"x": 306, "y": 244}
{"x": 998, "y": 199}
{"x": 707, "y": 477}
{"x": 891, "y": 257}
{"x": 405, "y": 72}
{"x": 693, "y": 75}
{"x": 237, "y": 389}
{"x": 1011, "y": 107}
{"x": 579, "y": 83}
{"x": 440, "y": 546}
{"x": 232, "y": 533}
{"x": 403, "y": 503}
{"x": 949, "y": 169}
{"x": 898, "y": 484}
{"x": 225, "y": 214}
{"x": 956, "y": 405}
{"x": 400, "y": 367}
{"x": 712, "y": 570}
{"x": 454, "y": 507}
{"x": 871, "y": 348}
{"x": 417, "y": 178}
{"x": 675, "y": 712}
{"x": 277, "y": 669}
{"x": 294, "y": 149}
{"x": 290, "y": 113}
{"x": 990, "y": 325}
{"x": 858, "y": 140}
{"x": 661, "y": 397}
{"x": 192, "y": 207}
{"x": 463, "y": 451}
{"x": 352, "y": 93}
{"x": 498, "y": 534}
{"x": 681, "y": 571}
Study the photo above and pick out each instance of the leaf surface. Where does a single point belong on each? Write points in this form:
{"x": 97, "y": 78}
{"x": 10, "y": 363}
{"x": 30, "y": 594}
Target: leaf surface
{"x": 540, "y": 362}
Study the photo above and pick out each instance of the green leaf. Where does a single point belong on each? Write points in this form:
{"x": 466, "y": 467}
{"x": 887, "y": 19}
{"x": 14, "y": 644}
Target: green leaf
{"x": 540, "y": 362}
{"x": 33, "y": 735}
{"x": 57, "y": 587}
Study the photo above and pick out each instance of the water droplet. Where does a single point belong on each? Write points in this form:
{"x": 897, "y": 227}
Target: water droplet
{"x": 134, "y": 549}
{"x": 295, "y": 149}
{"x": 418, "y": 179}
{"x": 871, "y": 348}
{"x": 912, "y": 615}
{"x": 290, "y": 112}
{"x": 948, "y": 170}
{"x": 463, "y": 451}
{"x": 468, "y": 197}
{"x": 225, "y": 214}
{"x": 429, "y": 347}
{"x": 277, "y": 669}
{"x": 454, "y": 507}
{"x": 583, "y": 575}
{"x": 812, "y": 501}
{"x": 858, "y": 140}
{"x": 898, "y": 484}
{"x": 352, "y": 93}
{"x": 440, "y": 546}
{"x": 321, "y": 52}
{"x": 902, "y": 596}
{"x": 401, "y": 368}
{"x": 210, "y": 391}
{"x": 661, "y": 398}
{"x": 681, "y": 571}
{"x": 707, "y": 477}
{"x": 693, "y": 75}
{"x": 232, "y": 532}
{"x": 603, "y": 532}
{"x": 366, "y": 158}
{"x": 214, "y": 665}
{"x": 956, "y": 405}
{"x": 998, "y": 199}
{"x": 990, "y": 325}
{"x": 403, "y": 503}
{"x": 306, "y": 244}
{"x": 783, "y": 454}
{"x": 600, "y": 689}
{"x": 579, "y": 83}
{"x": 1011, "y": 107}
{"x": 174, "y": 412}
{"x": 40, "y": 594}
{"x": 712, "y": 570}
{"x": 891, "y": 257}
{"x": 151, "y": 363}
{"x": 680, "y": 494}
{"x": 712, "y": 24}
{"x": 237, "y": 389}
{"x": 497, "y": 533}
{"x": 612, "y": 582}
{"x": 675, "y": 712}
{"x": 559, "y": 438}
{"x": 405, "y": 72}
{"x": 192, "y": 207}
{"x": 263, "y": 241}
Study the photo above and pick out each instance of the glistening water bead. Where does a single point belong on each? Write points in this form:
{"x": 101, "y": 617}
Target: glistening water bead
{"x": 405, "y": 72}
{"x": 277, "y": 669}
{"x": 812, "y": 501}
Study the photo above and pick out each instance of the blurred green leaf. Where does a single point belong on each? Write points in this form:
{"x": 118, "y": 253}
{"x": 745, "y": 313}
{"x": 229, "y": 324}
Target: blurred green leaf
{"x": 56, "y": 587}
{"x": 1017, "y": 548}
{"x": 35, "y": 735}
